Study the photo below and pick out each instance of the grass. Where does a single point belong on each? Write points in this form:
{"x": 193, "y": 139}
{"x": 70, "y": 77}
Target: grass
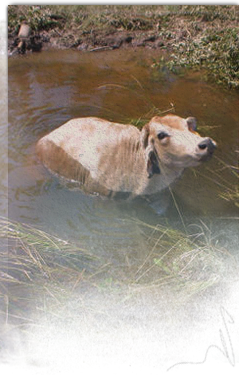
{"x": 55, "y": 298}
{"x": 48, "y": 300}
{"x": 215, "y": 52}
{"x": 231, "y": 193}
{"x": 208, "y": 42}
{"x": 225, "y": 176}
{"x": 230, "y": 190}
{"x": 87, "y": 18}
{"x": 140, "y": 91}
{"x": 184, "y": 266}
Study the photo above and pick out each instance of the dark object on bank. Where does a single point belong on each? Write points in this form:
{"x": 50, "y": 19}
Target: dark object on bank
{"x": 26, "y": 41}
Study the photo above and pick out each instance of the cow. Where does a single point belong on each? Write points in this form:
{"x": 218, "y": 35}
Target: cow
{"x": 110, "y": 158}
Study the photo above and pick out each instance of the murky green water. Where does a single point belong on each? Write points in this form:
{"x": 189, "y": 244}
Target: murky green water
{"x": 46, "y": 90}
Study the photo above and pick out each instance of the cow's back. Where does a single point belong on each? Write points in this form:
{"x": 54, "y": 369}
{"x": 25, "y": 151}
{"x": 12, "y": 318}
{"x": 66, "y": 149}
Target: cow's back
{"x": 85, "y": 150}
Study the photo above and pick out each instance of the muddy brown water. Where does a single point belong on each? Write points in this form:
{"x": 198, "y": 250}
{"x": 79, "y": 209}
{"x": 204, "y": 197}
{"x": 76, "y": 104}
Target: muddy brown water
{"x": 47, "y": 89}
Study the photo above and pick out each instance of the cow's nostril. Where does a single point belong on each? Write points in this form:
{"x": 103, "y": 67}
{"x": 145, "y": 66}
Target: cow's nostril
{"x": 206, "y": 144}
{"x": 203, "y": 146}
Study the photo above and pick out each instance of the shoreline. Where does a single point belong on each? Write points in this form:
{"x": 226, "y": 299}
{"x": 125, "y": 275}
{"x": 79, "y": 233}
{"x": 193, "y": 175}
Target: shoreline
{"x": 202, "y": 38}
{"x": 45, "y": 40}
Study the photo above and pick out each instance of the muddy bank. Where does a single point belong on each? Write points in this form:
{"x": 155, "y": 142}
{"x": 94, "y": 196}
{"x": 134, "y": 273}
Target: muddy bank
{"x": 87, "y": 27}
{"x": 106, "y": 26}
{"x": 95, "y": 41}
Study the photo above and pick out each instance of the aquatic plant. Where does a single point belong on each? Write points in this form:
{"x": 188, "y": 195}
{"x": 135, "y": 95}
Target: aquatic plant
{"x": 58, "y": 298}
{"x": 47, "y": 299}
{"x": 230, "y": 192}
{"x": 189, "y": 263}
{"x": 231, "y": 196}
{"x": 226, "y": 177}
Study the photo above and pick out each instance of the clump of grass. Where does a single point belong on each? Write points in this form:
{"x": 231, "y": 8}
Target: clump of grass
{"x": 231, "y": 196}
{"x": 189, "y": 263}
{"x": 52, "y": 298}
{"x": 228, "y": 181}
{"x": 48, "y": 299}
{"x": 207, "y": 40}
{"x": 231, "y": 192}
{"x": 38, "y": 17}
{"x": 225, "y": 176}
{"x": 154, "y": 111}
{"x": 141, "y": 92}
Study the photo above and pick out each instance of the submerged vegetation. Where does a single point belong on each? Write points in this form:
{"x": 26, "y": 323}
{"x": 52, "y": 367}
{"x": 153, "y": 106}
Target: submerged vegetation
{"x": 189, "y": 262}
{"x": 231, "y": 191}
{"x": 56, "y": 298}
{"x": 232, "y": 195}
{"x": 202, "y": 37}
{"x": 48, "y": 300}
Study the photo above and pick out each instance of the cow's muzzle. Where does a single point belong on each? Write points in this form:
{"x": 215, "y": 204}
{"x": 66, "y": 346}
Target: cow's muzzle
{"x": 206, "y": 149}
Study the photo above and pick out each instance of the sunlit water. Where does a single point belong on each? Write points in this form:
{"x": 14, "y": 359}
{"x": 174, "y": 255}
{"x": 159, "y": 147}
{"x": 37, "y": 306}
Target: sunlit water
{"x": 100, "y": 328}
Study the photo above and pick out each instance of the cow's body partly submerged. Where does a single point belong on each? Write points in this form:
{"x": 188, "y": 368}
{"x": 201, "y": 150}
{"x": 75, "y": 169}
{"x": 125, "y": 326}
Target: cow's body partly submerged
{"x": 110, "y": 158}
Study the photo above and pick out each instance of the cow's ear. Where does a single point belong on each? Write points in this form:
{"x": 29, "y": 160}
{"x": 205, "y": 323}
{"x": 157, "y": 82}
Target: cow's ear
{"x": 192, "y": 124}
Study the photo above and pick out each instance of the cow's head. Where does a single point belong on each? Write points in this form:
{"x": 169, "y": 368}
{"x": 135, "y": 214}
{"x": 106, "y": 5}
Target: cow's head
{"x": 173, "y": 142}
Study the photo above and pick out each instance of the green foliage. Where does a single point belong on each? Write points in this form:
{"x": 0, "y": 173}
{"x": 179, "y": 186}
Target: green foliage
{"x": 208, "y": 41}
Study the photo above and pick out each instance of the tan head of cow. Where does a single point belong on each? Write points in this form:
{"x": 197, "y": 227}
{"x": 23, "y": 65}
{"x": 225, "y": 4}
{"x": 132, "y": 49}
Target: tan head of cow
{"x": 173, "y": 142}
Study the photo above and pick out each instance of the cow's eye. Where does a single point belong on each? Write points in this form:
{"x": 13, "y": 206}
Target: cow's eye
{"x": 162, "y": 135}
